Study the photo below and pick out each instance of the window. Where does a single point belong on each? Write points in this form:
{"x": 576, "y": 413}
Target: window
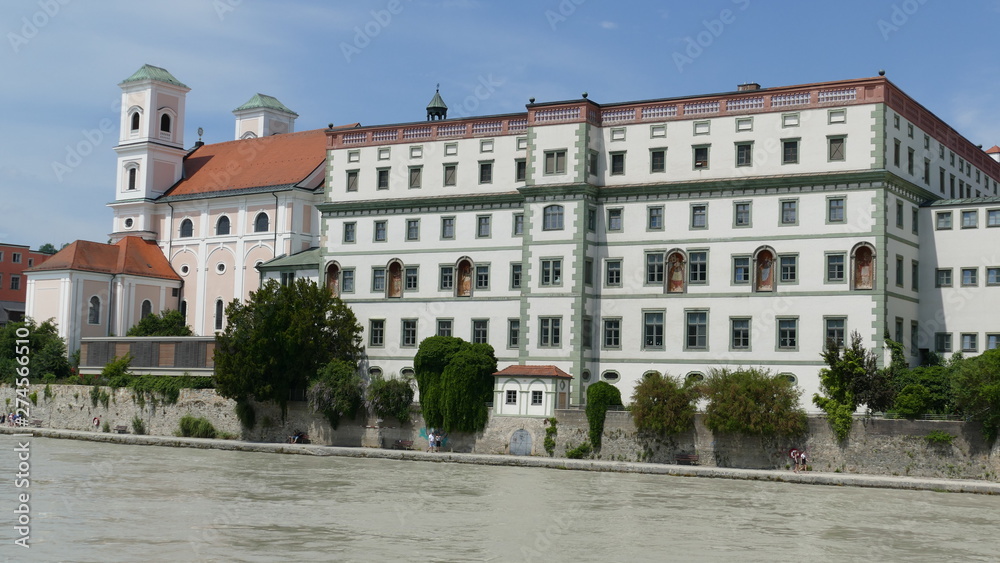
{"x": 835, "y": 210}
{"x": 486, "y": 145}
{"x": 744, "y": 154}
{"x": 447, "y": 277}
{"x": 187, "y": 228}
{"x": 380, "y": 231}
{"x": 378, "y": 280}
{"x": 654, "y": 268}
{"x": 899, "y": 271}
{"x": 287, "y": 278}
{"x": 552, "y": 218}
{"x": 518, "y": 224}
{"x": 536, "y": 398}
{"x": 741, "y": 214}
{"x": 698, "y": 270}
{"x": 551, "y": 272}
{"x": 700, "y": 157}
{"x": 788, "y": 330}
{"x": 480, "y": 331}
{"x": 657, "y": 131}
{"x": 347, "y": 281}
{"x": 134, "y": 121}
{"x": 353, "y": 156}
{"x": 145, "y": 310}
{"x": 942, "y": 342}
{"x": 836, "y": 148}
{"x": 915, "y": 220}
{"x": 909, "y": 161}
{"x": 617, "y": 163}
{"x": 376, "y": 333}
{"x": 549, "y": 332}
{"x": 614, "y": 219}
{"x": 654, "y": 218}
{"x": 969, "y": 343}
{"x": 520, "y": 170}
{"x": 165, "y": 123}
{"x": 612, "y": 333}
{"x": 618, "y": 134}
{"x": 699, "y": 216}
{"x": 451, "y": 149}
{"x": 970, "y": 219}
{"x": 657, "y": 160}
{"x": 486, "y": 172}
{"x": 914, "y": 275}
{"x": 588, "y": 333}
{"x": 513, "y": 332}
{"x": 511, "y": 397}
{"x": 515, "y": 275}
{"x": 415, "y": 173}
{"x": 16, "y": 257}
{"x": 352, "y": 180}
{"x": 444, "y": 327}
{"x": 555, "y": 162}
{"x": 482, "y": 226}
{"x": 588, "y": 271}
{"x": 447, "y": 227}
{"x": 94, "y": 311}
{"x": 482, "y": 277}
{"x": 789, "y": 212}
{"x": 382, "y": 179}
{"x": 942, "y": 277}
{"x": 740, "y": 329}
{"x": 970, "y": 276}
{"x": 592, "y": 163}
{"x": 131, "y": 178}
{"x": 992, "y": 341}
{"x": 993, "y": 218}
{"x": 450, "y": 174}
{"x": 835, "y": 331}
{"x": 413, "y": 229}
{"x": 790, "y": 151}
{"x": 260, "y": 223}
{"x": 834, "y": 267}
{"x": 411, "y": 278}
{"x": 789, "y": 268}
{"x": 697, "y": 330}
{"x": 943, "y": 220}
{"x": 222, "y": 226}
{"x": 789, "y": 120}
{"x": 653, "y": 330}
{"x": 899, "y": 214}
{"x": 741, "y": 269}
{"x": 899, "y": 330}
{"x": 895, "y": 153}
{"x": 613, "y": 273}
{"x": 992, "y": 276}
{"x": 409, "y": 333}
{"x": 219, "y": 314}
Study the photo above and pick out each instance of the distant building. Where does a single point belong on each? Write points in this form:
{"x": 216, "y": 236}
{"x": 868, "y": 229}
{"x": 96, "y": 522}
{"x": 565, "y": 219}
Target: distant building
{"x": 14, "y": 260}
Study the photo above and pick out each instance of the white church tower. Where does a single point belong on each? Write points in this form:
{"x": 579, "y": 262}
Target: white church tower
{"x": 263, "y": 116}
{"x": 150, "y": 149}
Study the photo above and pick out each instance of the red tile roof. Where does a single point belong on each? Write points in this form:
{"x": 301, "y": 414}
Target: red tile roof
{"x": 131, "y": 255}
{"x": 993, "y": 150}
{"x": 278, "y": 160}
{"x": 533, "y": 371}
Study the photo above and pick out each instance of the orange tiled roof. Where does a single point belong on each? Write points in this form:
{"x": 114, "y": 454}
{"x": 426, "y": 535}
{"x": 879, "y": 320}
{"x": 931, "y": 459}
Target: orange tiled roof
{"x": 533, "y": 371}
{"x": 993, "y": 150}
{"x": 278, "y": 160}
{"x": 131, "y": 255}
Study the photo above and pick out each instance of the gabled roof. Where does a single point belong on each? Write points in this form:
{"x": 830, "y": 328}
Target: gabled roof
{"x": 993, "y": 150}
{"x": 131, "y": 255}
{"x": 533, "y": 371}
{"x": 263, "y": 101}
{"x": 303, "y": 260}
{"x": 963, "y": 201}
{"x": 150, "y": 72}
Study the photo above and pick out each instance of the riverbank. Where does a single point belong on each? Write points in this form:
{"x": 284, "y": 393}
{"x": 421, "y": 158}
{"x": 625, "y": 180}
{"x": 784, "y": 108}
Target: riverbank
{"x": 810, "y": 478}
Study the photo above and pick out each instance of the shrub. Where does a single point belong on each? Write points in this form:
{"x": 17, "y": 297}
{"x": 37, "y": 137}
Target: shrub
{"x": 939, "y": 438}
{"x": 47, "y": 391}
{"x": 191, "y": 427}
{"x": 579, "y": 452}
{"x": 600, "y": 396}
{"x": 106, "y": 427}
{"x": 166, "y": 387}
{"x": 138, "y": 426}
{"x": 550, "y": 436}
{"x": 117, "y": 370}
{"x": 976, "y": 385}
{"x": 662, "y": 405}
{"x": 752, "y": 401}
{"x": 390, "y": 397}
{"x": 34, "y": 397}
{"x": 913, "y": 401}
{"x": 336, "y": 391}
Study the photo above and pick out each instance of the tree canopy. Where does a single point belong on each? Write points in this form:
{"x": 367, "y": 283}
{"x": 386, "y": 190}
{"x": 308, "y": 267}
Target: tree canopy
{"x": 46, "y": 350}
{"x": 754, "y": 402}
{"x": 279, "y": 339}
{"x": 663, "y": 405}
{"x": 455, "y": 380}
{"x": 168, "y": 323}
{"x": 600, "y": 396}
{"x": 976, "y": 387}
{"x": 47, "y": 248}
{"x": 842, "y": 381}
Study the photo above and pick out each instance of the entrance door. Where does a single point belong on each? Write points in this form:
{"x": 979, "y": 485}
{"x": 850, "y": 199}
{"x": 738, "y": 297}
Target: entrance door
{"x": 520, "y": 443}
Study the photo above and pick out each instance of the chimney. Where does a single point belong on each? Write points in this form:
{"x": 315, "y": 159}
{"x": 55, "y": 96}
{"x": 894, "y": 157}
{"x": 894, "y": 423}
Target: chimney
{"x": 748, "y": 87}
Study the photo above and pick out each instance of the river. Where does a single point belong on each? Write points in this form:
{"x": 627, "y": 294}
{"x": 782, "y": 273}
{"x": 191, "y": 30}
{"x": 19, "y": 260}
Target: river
{"x": 122, "y": 503}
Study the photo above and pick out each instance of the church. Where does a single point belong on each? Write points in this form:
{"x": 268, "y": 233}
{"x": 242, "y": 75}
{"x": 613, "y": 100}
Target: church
{"x": 746, "y": 228}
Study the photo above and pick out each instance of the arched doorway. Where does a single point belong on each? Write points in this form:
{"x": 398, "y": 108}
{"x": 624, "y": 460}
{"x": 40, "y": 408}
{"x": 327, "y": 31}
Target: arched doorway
{"x": 395, "y": 279}
{"x": 520, "y": 442}
{"x": 464, "y": 286}
{"x": 333, "y": 279}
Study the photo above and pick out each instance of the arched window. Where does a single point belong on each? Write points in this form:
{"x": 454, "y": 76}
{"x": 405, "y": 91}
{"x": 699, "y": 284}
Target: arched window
{"x": 610, "y": 375}
{"x": 222, "y": 226}
{"x": 218, "y": 314}
{"x": 695, "y": 377}
{"x": 395, "y": 279}
{"x": 676, "y": 272}
{"x": 134, "y": 125}
{"x": 165, "y": 123}
{"x": 94, "y": 313}
{"x": 184, "y": 309}
{"x": 764, "y": 270}
{"x": 863, "y": 267}
{"x": 132, "y": 172}
{"x": 375, "y": 372}
{"x": 552, "y": 218}
{"x": 187, "y": 228}
{"x": 260, "y": 223}
{"x": 146, "y": 310}
{"x": 333, "y": 279}
{"x": 464, "y": 286}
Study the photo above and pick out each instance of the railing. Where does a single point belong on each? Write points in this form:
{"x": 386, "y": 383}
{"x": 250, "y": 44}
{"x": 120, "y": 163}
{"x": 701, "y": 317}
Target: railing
{"x": 743, "y": 104}
{"x": 487, "y": 127}
{"x": 701, "y": 108}
{"x": 613, "y": 115}
{"x": 786, "y": 100}
{"x": 557, "y": 114}
{"x": 842, "y": 95}
{"x": 659, "y": 112}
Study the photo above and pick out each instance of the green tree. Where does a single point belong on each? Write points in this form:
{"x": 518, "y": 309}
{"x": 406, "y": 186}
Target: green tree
{"x": 48, "y": 248}
{"x": 848, "y": 370}
{"x": 662, "y": 405}
{"x": 912, "y": 401}
{"x": 390, "y": 397}
{"x": 976, "y": 386}
{"x": 466, "y": 386}
{"x": 753, "y": 402}
{"x": 600, "y": 396}
{"x": 935, "y": 379}
{"x": 336, "y": 391}
{"x": 46, "y": 351}
{"x": 167, "y": 323}
{"x": 432, "y": 357}
{"x": 279, "y": 339}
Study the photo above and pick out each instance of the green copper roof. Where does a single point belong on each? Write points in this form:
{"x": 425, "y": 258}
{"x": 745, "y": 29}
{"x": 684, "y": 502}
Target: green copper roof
{"x": 305, "y": 259}
{"x": 437, "y": 102}
{"x": 150, "y": 72}
{"x": 259, "y": 101}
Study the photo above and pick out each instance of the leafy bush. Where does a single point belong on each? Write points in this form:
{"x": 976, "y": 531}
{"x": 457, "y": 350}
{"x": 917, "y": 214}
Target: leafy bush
{"x": 47, "y": 391}
{"x": 936, "y": 379}
{"x": 550, "y": 436}
{"x": 976, "y": 385}
{"x": 939, "y": 438}
{"x": 390, "y": 397}
{"x": 138, "y": 426}
{"x": 117, "y": 370}
{"x": 662, "y": 405}
{"x": 455, "y": 380}
{"x": 336, "y": 391}
{"x": 579, "y": 452}
{"x": 913, "y": 401}
{"x": 47, "y": 349}
{"x": 106, "y": 426}
{"x": 852, "y": 378}
{"x": 99, "y": 395}
{"x": 166, "y": 387}
{"x": 167, "y": 323}
{"x": 191, "y": 427}
{"x": 752, "y": 401}
{"x": 34, "y": 397}
{"x": 600, "y": 396}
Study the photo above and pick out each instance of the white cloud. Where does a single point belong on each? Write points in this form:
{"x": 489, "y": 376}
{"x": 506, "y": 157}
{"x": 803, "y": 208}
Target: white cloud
{"x": 609, "y": 25}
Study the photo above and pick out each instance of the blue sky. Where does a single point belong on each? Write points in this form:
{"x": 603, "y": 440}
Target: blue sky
{"x": 379, "y": 61}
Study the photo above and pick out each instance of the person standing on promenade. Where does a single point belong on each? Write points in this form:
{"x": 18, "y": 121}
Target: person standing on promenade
{"x": 430, "y": 440}
{"x": 802, "y": 460}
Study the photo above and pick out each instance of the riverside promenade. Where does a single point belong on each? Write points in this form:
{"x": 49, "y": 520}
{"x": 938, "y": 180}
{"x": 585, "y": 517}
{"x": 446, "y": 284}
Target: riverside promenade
{"x": 808, "y": 478}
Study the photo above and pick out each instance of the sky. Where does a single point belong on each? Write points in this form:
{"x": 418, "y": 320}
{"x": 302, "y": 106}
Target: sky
{"x": 379, "y": 61}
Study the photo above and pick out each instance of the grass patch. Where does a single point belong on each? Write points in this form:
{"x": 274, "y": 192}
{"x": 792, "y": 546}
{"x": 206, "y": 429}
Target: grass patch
{"x": 192, "y": 427}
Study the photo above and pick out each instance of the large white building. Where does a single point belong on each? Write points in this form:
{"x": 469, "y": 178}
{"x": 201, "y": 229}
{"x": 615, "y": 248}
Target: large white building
{"x": 677, "y": 235}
